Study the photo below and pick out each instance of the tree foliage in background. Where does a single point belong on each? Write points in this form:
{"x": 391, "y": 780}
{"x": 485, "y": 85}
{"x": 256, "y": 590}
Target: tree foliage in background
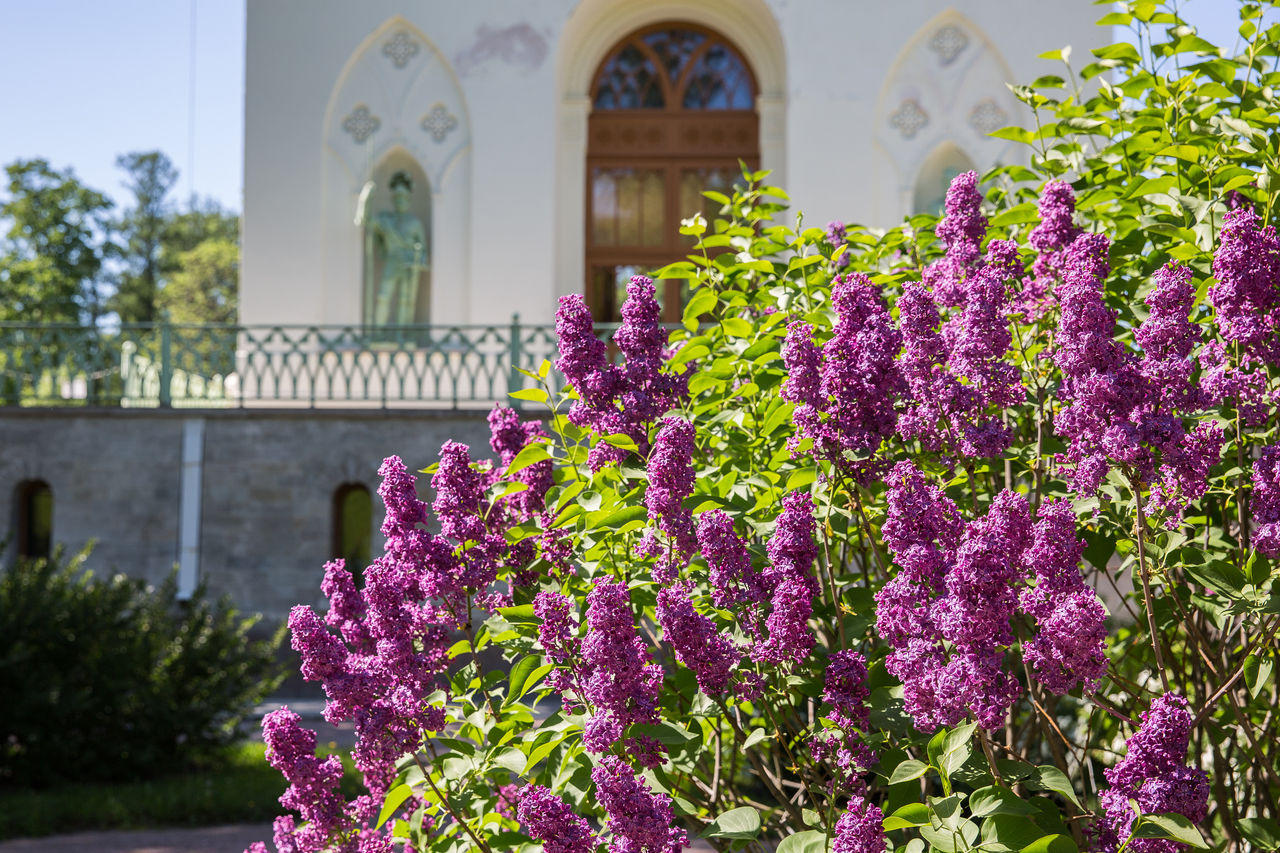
{"x": 65, "y": 260}
{"x": 51, "y": 256}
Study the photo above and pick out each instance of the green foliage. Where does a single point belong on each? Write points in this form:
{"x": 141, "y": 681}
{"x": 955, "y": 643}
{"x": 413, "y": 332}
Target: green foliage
{"x": 51, "y": 256}
{"x": 150, "y": 175}
{"x": 111, "y": 680}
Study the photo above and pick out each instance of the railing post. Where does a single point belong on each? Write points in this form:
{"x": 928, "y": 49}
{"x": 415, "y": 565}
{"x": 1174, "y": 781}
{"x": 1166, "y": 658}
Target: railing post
{"x": 166, "y": 366}
{"x": 514, "y": 380}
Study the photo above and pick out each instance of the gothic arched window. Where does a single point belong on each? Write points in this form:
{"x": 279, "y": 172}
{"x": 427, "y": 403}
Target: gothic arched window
{"x": 673, "y": 111}
{"x": 33, "y": 502}
{"x": 353, "y": 527}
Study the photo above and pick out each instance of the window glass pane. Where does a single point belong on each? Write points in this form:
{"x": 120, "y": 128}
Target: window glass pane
{"x": 628, "y": 81}
{"x": 694, "y": 181}
{"x": 627, "y": 207}
{"x": 674, "y": 47}
{"x": 718, "y": 82}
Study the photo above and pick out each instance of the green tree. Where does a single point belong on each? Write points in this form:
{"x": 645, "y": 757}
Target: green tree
{"x": 52, "y": 251}
{"x": 203, "y": 287}
{"x": 150, "y": 177}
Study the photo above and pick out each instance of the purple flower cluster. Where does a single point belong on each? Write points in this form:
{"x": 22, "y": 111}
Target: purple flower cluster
{"x": 1050, "y": 238}
{"x": 1266, "y": 502}
{"x": 734, "y": 582}
{"x": 1154, "y": 773}
{"x": 958, "y": 378}
{"x": 546, "y": 817}
{"x": 313, "y": 786}
{"x": 639, "y": 820}
{"x": 698, "y": 643}
{"x": 850, "y": 410}
{"x": 1122, "y": 410}
{"x": 617, "y": 399}
{"x": 847, "y": 693}
{"x": 508, "y": 436}
{"x": 619, "y": 682}
{"x": 791, "y": 583}
{"x": 961, "y": 229}
{"x": 947, "y": 613}
{"x": 860, "y": 829}
{"x": 671, "y": 479}
{"x": 1068, "y": 648}
{"x": 1246, "y": 296}
{"x": 836, "y": 235}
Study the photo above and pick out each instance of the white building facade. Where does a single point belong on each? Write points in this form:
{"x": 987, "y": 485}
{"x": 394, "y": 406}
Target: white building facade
{"x": 552, "y": 143}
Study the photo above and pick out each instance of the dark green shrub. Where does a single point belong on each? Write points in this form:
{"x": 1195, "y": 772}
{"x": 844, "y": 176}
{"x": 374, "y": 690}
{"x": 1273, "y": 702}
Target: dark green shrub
{"x": 112, "y": 679}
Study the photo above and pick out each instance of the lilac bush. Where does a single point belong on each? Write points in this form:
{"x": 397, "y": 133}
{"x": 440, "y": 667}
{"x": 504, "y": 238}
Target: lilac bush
{"x": 959, "y": 542}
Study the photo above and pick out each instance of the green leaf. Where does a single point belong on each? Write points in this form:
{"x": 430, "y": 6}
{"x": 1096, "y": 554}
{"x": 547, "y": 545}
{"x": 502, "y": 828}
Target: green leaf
{"x": 809, "y": 841}
{"x": 741, "y": 823}
{"x": 1018, "y": 214}
{"x": 622, "y": 516}
{"x": 1262, "y": 832}
{"x": 1257, "y": 672}
{"x": 519, "y": 613}
{"x": 956, "y": 748}
{"x": 395, "y": 799}
{"x": 996, "y": 800}
{"x": 701, "y": 302}
{"x": 1055, "y": 843}
{"x": 623, "y": 441}
{"x": 1174, "y": 827}
{"x": 511, "y": 759}
{"x": 537, "y": 395}
{"x": 737, "y": 327}
{"x": 910, "y": 815}
{"x": 1050, "y": 778}
{"x": 1003, "y": 833}
{"x": 531, "y": 454}
{"x": 754, "y": 738}
{"x": 1015, "y": 134}
{"x": 908, "y": 770}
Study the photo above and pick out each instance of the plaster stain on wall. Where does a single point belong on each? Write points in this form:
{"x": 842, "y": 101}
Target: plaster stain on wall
{"x": 520, "y": 46}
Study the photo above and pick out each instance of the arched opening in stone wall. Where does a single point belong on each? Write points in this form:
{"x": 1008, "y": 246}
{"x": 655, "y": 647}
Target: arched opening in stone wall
{"x": 935, "y": 175}
{"x": 672, "y": 114}
{"x": 353, "y": 528}
{"x": 33, "y": 519}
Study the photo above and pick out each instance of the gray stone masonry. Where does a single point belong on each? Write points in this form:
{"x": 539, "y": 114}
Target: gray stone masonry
{"x": 267, "y": 484}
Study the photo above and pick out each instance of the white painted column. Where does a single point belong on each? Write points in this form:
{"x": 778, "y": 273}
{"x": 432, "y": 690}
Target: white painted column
{"x": 189, "y": 506}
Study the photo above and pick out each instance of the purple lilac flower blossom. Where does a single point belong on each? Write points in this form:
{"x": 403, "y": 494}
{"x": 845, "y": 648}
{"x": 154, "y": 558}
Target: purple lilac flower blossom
{"x": 698, "y": 642}
{"x": 617, "y": 399}
{"x": 1266, "y": 502}
{"x": 1069, "y": 648}
{"x": 734, "y": 582}
{"x": 313, "y": 784}
{"x": 1246, "y": 296}
{"x": 791, "y": 582}
{"x": 860, "y": 829}
{"x": 847, "y": 693}
{"x": 961, "y": 229}
{"x": 508, "y": 437}
{"x": 671, "y": 480}
{"x": 852, "y": 410}
{"x": 1153, "y": 772}
{"x": 618, "y": 679}
{"x": 639, "y": 820}
{"x": 1167, "y": 338}
{"x": 546, "y": 817}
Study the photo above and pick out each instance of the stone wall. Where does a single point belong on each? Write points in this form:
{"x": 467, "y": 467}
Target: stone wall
{"x": 266, "y": 485}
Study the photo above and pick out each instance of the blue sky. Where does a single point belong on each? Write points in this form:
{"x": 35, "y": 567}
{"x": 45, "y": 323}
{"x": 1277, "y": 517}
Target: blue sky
{"x": 86, "y": 80}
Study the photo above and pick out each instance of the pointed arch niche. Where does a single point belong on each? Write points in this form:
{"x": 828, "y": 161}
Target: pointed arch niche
{"x": 934, "y": 176}
{"x": 397, "y": 106}
{"x": 944, "y": 94}
{"x": 596, "y": 28}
